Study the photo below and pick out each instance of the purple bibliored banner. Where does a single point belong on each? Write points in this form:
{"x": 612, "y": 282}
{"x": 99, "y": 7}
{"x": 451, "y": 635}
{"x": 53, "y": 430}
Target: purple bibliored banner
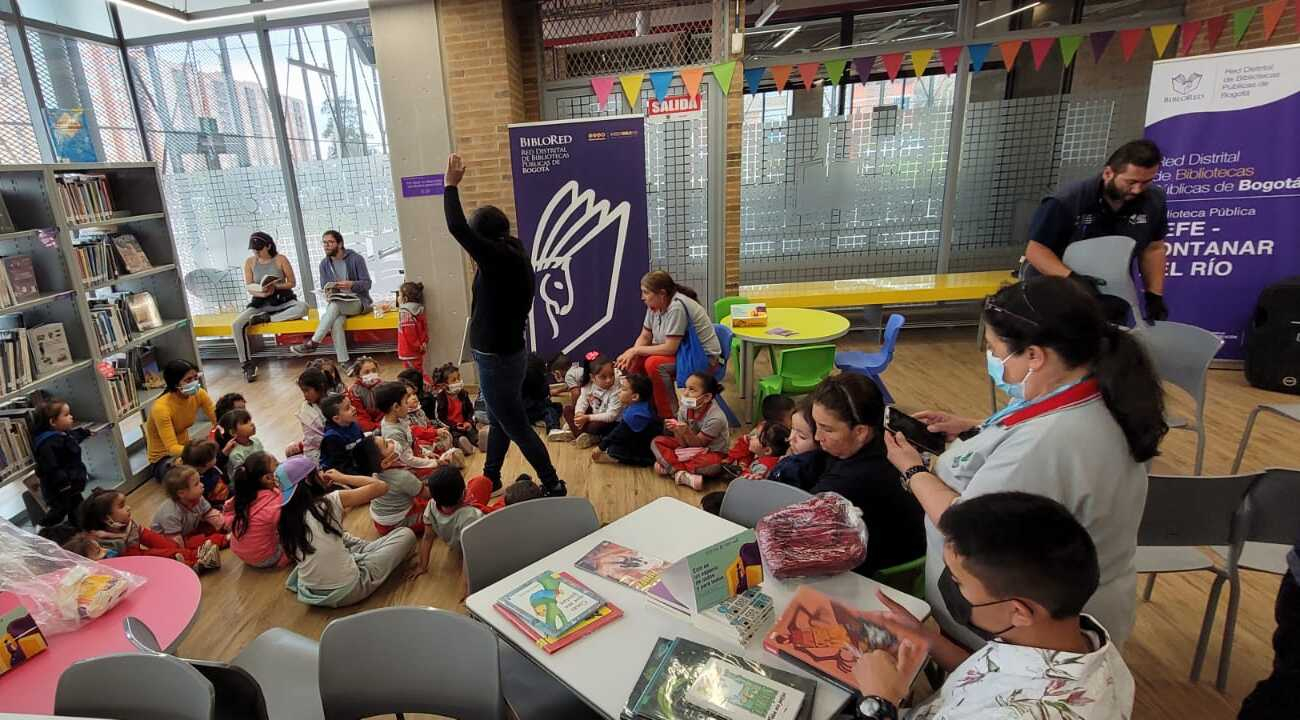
{"x": 580, "y": 200}
{"x": 1227, "y": 126}
{"x": 421, "y": 185}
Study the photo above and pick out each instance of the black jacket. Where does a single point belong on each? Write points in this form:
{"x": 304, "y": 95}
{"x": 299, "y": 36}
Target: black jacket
{"x": 503, "y": 283}
{"x": 58, "y": 463}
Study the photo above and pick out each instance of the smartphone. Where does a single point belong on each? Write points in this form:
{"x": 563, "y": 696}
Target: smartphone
{"x": 915, "y": 432}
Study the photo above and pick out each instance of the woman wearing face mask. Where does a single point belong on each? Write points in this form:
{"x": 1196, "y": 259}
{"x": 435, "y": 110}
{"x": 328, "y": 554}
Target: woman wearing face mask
{"x": 274, "y": 302}
{"x": 1087, "y": 413}
{"x": 171, "y": 415}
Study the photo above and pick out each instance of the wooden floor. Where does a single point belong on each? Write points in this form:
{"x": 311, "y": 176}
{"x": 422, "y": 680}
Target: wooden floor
{"x": 932, "y": 369}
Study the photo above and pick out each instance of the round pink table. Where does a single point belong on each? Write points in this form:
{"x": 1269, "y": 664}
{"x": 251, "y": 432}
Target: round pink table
{"x": 167, "y": 603}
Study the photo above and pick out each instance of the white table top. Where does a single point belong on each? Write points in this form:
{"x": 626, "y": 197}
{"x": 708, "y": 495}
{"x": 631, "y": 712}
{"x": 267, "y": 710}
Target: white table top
{"x": 602, "y": 667}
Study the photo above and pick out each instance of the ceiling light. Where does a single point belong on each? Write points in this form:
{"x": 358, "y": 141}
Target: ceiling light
{"x": 788, "y": 34}
{"x": 768, "y": 12}
{"x": 1008, "y": 14}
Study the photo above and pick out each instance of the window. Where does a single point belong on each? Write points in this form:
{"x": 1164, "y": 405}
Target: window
{"x": 88, "y": 15}
{"x": 17, "y": 135}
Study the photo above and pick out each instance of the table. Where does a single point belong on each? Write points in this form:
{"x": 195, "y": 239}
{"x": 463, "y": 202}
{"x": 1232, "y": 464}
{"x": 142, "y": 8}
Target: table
{"x": 602, "y": 667}
{"x": 167, "y": 603}
{"x": 810, "y": 327}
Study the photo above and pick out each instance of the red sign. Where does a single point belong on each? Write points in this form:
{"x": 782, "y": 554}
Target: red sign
{"x": 673, "y": 104}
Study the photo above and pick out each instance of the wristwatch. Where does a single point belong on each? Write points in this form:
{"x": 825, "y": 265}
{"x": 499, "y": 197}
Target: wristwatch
{"x": 911, "y": 472}
{"x": 874, "y": 707}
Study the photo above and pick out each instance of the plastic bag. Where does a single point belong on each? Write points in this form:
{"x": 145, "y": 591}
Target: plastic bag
{"x": 61, "y": 590}
{"x": 824, "y": 535}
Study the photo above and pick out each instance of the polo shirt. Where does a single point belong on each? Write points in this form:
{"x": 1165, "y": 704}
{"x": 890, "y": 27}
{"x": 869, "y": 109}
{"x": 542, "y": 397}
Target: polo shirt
{"x": 1079, "y": 211}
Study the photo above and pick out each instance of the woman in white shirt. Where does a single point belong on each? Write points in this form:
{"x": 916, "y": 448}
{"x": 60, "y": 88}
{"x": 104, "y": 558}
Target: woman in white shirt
{"x": 1087, "y": 413}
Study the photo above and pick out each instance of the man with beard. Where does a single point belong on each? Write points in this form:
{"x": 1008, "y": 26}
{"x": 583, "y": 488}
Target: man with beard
{"x": 346, "y": 281}
{"x": 1120, "y": 201}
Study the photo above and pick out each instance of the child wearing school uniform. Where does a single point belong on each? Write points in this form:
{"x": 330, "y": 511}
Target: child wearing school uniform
{"x": 106, "y": 517}
{"x": 453, "y": 506}
{"x": 803, "y": 462}
{"x": 412, "y": 332}
{"x": 202, "y": 456}
{"x": 341, "y": 442}
{"x": 698, "y": 437}
{"x": 362, "y": 393}
{"x": 185, "y": 517}
{"x": 453, "y": 408}
{"x": 629, "y": 442}
{"x": 598, "y": 407}
{"x": 403, "y": 504}
{"x": 390, "y": 397}
{"x": 242, "y": 431}
{"x": 314, "y": 386}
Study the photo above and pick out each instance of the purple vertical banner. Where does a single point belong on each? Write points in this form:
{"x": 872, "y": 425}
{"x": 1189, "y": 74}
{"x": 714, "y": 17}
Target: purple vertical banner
{"x": 1226, "y": 124}
{"x": 580, "y": 200}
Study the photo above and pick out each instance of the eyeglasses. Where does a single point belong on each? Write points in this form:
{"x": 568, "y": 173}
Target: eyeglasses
{"x": 993, "y": 307}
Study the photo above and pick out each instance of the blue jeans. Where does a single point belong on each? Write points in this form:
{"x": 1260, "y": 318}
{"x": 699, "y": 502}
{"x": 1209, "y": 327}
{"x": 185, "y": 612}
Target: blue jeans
{"x": 332, "y": 318}
{"x": 501, "y": 382}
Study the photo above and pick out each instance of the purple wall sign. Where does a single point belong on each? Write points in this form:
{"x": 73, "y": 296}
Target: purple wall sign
{"x": 421, "y": 185}
{"x": 581, "y": 205}
{"x": 1226, "y": 124}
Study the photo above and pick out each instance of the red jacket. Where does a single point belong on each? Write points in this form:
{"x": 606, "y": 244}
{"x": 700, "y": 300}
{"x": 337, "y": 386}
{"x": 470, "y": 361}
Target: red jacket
{"x": 412, "y": 332}
{"x": 363, "y": 401}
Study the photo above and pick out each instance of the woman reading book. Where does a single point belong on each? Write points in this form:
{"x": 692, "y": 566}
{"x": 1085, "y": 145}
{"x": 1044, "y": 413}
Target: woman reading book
{"x": 269, "y": 279}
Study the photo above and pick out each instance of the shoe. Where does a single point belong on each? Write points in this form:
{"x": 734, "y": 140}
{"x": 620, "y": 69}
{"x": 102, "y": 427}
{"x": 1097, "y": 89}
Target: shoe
{"x": 260, "y": 319}
{"x": 559, "y": 489}
{"x": 586, "y": 440}
{"x": 602, "y": 457}
{"x": 559, "y": 435}
{"x": 250, "y": 373}
{"x": 663, "y": 469}
{"x": 304, "y": 348}
{"x": 466, "y": 446}
{"x": 690, "y": 480}
{"x": 496, "y": 484}
{"x": 540, "y": 425}
{"x": 453, "y": 457}
{"x": 209, "y": 556}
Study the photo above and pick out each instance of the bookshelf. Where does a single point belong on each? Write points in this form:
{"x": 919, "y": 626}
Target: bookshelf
{"x": 46, "y": 229}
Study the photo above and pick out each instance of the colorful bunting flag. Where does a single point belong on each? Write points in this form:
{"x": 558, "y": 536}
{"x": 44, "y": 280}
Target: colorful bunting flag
{"x": 835, "y": 71}
{"x": 631, "y": 88}
{"x": 1069, "y": 46}
{"x": 1241, "y": 22}
{"x": 1040, "y": 47}
{"x": 1187, "y": 35}
{"x": 1272, "y": 14}
{"x": 753, "y": 78}
{"x": 1010, "y": 49}
{"x": 893, "y": 63}
{"x": 722, "y": 73}
{"x": 862, "y": 66}
{"x": 1214, "y": 29}
{"x": 949, "y": 57}
{"x": 780, "y": 74}
{"x": 921, "y": 60}
{"x": 1161, "y": 35}
{"x": 1098, "y": 41}
{"x": 1128, "y": 41}
{"x": 977, "y": 54}
{"x": 808, "y": 73}
{"x": 691, "y": 78}
{"x": 601, "y": 86}
{"x": 660, "y": 81}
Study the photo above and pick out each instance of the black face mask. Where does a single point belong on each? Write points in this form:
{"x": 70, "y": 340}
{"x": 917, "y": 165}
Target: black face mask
{"x": 960, "y": 608}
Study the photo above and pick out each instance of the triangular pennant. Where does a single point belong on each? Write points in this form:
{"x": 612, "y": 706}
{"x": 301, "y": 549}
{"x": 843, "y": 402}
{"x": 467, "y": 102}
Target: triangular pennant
{"x": 1214, "y": 29}
{"x": 1098, "y": 41}
{"x": 722, "y": 72}
{"x": 660, "y": 82}
{"x": 1040, "y": 48}
{"x": 1187, "y": 35}
{"x": 862, "y": 66}
{"x": 1129, "y": 39}
{"x": 835, "y": 70}
{"x": 1010, "y": 49}
{"x": 921, "y": 60}
{"x": 1241, "y": 22}
{"x": 1161, "y": 35}
{"x": 949, "y": 56}
{"x": 893, "y": 63}
{"x": 977, "y": 55}
{"x": 602, "y": 86}
{"x": 691, "y": 78}
{"x": 1069, "y": 46}
{"x": 631, "y": 88}
{"x": 780, "y": 74}
{"x": 753, "y": 78}
{"x": 1272, "y": 14}
{"x": 808, "y": 73}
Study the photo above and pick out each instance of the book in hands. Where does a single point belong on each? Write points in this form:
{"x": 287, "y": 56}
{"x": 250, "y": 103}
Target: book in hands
{"x": 552, "y": 603}
{"x": 266, "y": 285}
{"x": 736, "y": 694}
{"x": 623, "y": 565}
{"x": 826, "y": 636}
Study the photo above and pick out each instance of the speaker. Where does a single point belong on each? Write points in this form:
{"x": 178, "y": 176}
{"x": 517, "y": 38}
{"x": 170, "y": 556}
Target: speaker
{"x": 1273, "y": 338}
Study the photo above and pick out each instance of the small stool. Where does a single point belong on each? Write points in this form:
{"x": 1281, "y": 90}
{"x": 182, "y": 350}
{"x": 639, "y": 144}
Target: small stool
{"x": 1290, "y": 411}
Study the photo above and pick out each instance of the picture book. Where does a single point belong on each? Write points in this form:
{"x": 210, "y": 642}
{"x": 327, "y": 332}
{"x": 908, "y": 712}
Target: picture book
{"x": 607, "y": 614}
{"x": 144, "y": 311}
{"x": 552, "y": 603}
{"x": 50, "y": 348}
{"x": 623, "y": 565}
{"x": 825, "y": 636}
{"x": 737, "y": 694}
{"x": 661, "y": 648}
{"x": 20, "y": 638}
{"x": 132, "y": 257}
{"x": 708, "y": 576}
{"x": 21, "y": 278}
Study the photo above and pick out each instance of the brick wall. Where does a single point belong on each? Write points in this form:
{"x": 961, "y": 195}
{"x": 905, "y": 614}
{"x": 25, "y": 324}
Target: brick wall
{"x": 1254, "y": 37}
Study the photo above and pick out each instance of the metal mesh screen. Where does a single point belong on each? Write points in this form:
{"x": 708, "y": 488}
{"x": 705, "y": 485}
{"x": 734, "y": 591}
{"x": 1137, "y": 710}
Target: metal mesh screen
{"x": 582, "y": 38}
{"x": 77, "y": 73}
{"x": 17, "y": 135}
{"x": 677, "y": 179}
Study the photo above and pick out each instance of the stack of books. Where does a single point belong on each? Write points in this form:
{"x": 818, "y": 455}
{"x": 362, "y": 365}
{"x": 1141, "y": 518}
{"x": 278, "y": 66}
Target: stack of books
{"x": 738, "y": 618}
{"x": 121, "y": 385}
{"x": 554, "y": 610}
{"x": 684, "y": 680}
{"x": 16, "y": 455}
{"x": 85, "y": 197}
{"x": 16, "y": 370}
{"x": 17, "y": 281}
{"x": 94, "y": 258}
{"x": 108, "y": 316}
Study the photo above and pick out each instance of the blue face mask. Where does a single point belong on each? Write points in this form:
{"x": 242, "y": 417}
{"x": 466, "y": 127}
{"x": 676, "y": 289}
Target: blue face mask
{"x": 997, "y": 368}
{"x": 191, "y": 388}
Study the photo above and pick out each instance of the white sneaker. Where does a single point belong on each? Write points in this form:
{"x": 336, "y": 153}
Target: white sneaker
{"x": 586, "y": 440}
{"x": 209, "y": 556}
{"x": 454, "y": 457}
{"x": 559, "y": 435}
{"x": 466, "y": 446}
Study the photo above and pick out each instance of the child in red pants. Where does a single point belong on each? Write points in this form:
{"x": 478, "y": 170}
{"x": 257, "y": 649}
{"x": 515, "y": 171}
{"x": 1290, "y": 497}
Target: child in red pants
{"x": 453, "y": 506}
{"x": 185, "y": 517}
{"x": 107, "y": 518}
{"x": 699, "y": 436}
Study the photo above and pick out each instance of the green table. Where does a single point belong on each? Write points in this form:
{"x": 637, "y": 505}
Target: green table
{"x": 811, "y": 327}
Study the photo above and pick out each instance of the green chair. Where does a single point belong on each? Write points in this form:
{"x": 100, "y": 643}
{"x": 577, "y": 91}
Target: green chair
{"x": 908, "y": 577}
{"x": 722, "y": 309}
{"x": 798, "y": 370}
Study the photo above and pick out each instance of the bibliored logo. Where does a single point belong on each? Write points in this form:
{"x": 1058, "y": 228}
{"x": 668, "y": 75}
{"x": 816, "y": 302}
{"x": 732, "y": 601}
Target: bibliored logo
{"x": 1185, "y": 84}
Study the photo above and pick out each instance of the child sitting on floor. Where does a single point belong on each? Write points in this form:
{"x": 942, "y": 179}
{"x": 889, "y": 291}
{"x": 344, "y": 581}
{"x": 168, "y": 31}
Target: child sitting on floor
{"x": 598, "y": 408}
{"x": 429, "y": 435}
{"x": 453, "y": 408}
{"x": 390, "y": 398}
{"x": 202, "y": 456}
{"x": 341, "y": 442}
{"x": 412, "y": 332}
{"x": 239, "y": 426}
{"x": 453, "y": 506}
{"x": 537, "y": 395}
{"x": 775, "y": 409}
{"x": 362, "y": 393}
{"x": 629, "y": 442}
{"x": 403, "y": 504}
{"x": 314, "y": 386}
{"x": 330, "y": 367}
{"x": 801, "y": 465}
{"x": 566, "y": 378}
{"x": 59, "y": 468}
{"x": 226, "y": 403}
{"x": 767, "y": 450}
{"x": 699, "y": 435}
{"x": 254, "y": 512}
{"x": 106, "y": 516}
{"x": 186, "y": 517}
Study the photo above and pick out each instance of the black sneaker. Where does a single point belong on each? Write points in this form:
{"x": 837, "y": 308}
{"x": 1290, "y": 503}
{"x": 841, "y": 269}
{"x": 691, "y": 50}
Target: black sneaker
{"x": 305, "y": 348}
{"x": 260, "y": 319}
{"x": 250, "y": 372}
{"x": 496, "y": 483}
{"x": 559, "y": 489}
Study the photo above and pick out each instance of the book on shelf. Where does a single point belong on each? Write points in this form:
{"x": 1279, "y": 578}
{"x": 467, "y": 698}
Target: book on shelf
{"x": 110, "y": 323}
{"x": 94, "y": 258}
{"x": 16, "y": 455}
{"x": 50, "y": 351}
{"x": 143, "y": 310}
{"x": 6, "y": 222}
{"x": 826, "y": 636}
{"x": 15, "y": 359}
{"x": 147, "y": 374}
{"x": 18, "y": 278}
{"x": 552, "y": 603}
{"x": 130, "y": 256}
{"x": 623, "y": 565}
{"x": 85, "y": 196}
{"x": 121, "y": 384}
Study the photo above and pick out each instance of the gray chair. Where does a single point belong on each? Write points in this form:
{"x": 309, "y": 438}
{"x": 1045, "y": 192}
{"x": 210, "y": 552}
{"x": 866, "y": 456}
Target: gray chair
{"x": 746, "y": 501}
{"x": 409, "y": 665}
{"x": 1182, "y": 355}
{"x": 238, "y": 695}
{"x": 286, "y": 665}
{"x": 1108, "y": 258}
{"x": 134, "y": 686}
{"x": 1183, "y": 513}
{"x": 517, "y": 535}
{"x": 1287, "y": 411}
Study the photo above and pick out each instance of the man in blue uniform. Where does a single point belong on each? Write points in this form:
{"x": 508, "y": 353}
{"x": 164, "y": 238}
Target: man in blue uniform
{"x": 1120, "y": 201}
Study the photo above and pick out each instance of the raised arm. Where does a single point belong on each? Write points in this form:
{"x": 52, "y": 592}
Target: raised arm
{"x": 479, "y": 248}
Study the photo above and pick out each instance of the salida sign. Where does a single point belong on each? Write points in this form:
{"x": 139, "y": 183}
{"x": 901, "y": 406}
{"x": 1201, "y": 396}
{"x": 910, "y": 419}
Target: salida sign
{"x": 673, "y": 105}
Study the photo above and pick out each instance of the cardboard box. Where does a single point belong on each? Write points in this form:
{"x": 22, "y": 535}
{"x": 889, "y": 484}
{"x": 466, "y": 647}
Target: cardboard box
{"x": 749, "y": 315}
{"x": 20, "y": 638}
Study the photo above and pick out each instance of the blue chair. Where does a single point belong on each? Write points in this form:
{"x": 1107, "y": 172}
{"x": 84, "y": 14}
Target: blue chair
{"x": 724, "y": 340}
{"x": 873, "y": 364}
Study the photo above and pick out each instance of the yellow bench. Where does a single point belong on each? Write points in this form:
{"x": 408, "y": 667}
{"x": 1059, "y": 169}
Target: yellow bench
{"x": 218, "y": 325}
{"x": 902, "y": 290}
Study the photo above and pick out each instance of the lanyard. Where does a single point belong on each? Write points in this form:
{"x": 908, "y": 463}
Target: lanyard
{"x": 1019, "y": 405}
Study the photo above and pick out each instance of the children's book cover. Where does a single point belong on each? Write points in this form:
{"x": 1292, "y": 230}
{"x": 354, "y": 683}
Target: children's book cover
{"x": 20, "y": 638}
{"x": 552, "y": 603}
{"x": 623, "y": 565}
{"x": 825, "y": 635}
